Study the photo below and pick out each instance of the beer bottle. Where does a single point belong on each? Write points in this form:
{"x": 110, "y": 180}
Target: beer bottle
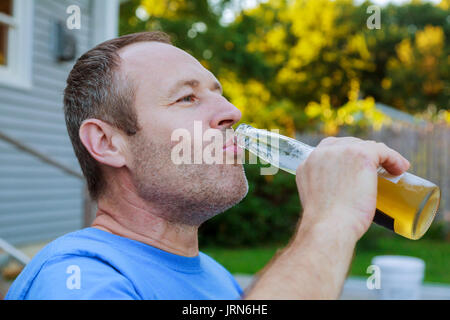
{"x": 406, "y": 204}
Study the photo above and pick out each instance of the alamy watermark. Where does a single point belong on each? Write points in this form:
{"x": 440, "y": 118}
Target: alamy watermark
{"x": 73, "y": 282}
{"x": 374, "y": 20}
{"x": 374, "y": 280}
{"x": 74, "y": 19}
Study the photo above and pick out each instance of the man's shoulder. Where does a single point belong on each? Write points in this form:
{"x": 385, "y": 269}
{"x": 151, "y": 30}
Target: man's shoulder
{"x": 49, "y": 273}
{"x": 88, "y": 242}
{"x": 210, "y": 262}
{"x": 212, "y": 266}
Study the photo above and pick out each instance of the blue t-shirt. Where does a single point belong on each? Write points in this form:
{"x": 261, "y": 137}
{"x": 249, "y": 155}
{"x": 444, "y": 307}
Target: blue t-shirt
{"x": 94, "y": 264}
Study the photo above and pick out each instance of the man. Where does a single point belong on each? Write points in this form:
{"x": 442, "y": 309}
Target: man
{"x": 123, "y": 100}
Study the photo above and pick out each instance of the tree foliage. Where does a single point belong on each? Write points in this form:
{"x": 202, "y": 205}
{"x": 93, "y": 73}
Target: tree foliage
{"x": 304, "y": 64}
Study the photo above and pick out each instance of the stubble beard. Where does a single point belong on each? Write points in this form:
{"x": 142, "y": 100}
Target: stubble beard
{"x": 187, "y": 194}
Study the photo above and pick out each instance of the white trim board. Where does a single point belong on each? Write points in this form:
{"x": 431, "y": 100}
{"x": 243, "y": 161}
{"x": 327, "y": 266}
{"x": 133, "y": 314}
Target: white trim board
{"x": 18, "y": 72}
{"x": 105, "y": 24}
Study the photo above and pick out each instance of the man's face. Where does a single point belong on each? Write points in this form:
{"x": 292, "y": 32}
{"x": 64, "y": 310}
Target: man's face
{"x": 173, "y": 90}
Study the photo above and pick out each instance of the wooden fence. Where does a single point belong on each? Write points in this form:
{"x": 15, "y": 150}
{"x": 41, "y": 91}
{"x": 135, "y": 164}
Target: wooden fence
{"x": 426, "y": 147}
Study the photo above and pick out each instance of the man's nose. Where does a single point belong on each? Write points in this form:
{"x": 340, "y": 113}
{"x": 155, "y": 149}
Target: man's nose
{"x": 225, "y": 115}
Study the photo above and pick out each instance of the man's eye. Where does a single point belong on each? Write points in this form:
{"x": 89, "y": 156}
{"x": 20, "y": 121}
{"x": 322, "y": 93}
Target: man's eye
{"x": 189, "y": 98}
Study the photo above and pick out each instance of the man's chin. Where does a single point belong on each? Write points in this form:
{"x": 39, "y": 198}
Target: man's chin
{"x": 236, "y": 185}
{"x": 226, "y": 192}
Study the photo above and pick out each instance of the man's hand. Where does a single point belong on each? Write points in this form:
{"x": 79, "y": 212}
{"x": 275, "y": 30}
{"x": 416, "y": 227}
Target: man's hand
{"x": 338, "y": 183}
{"x": 338, "y": 190}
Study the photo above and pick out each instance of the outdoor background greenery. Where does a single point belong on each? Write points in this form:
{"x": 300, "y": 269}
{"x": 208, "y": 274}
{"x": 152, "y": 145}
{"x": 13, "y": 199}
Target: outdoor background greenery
{"x": 303, "y": 65}
{"x": 310, "y": 66}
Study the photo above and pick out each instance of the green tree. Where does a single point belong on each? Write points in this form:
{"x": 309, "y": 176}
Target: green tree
{"x": 390, "y": 81}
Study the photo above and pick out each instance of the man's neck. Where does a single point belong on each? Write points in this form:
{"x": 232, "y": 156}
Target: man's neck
{"x": 125, "y": 214}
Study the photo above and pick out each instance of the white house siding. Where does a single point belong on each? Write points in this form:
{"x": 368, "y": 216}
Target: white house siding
{"x": 39, "y": 202}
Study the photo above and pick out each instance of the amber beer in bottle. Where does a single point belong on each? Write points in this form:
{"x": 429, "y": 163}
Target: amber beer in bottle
{"x": 406, "y": 204}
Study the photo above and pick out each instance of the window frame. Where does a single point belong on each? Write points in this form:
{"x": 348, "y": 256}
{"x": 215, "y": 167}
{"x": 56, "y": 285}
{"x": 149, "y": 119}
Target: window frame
{"x": 17, "y": 73}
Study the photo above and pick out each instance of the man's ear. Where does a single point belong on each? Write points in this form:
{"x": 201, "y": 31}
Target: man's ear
{"x": 104, "y": 143}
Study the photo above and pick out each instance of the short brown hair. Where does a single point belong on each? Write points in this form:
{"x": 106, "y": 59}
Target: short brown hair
{"x": 96, "y": 90}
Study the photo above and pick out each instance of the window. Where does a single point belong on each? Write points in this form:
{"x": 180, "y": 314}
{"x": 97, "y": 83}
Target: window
{"x": 15, "y": 43}
{"x": 5, "y": 17}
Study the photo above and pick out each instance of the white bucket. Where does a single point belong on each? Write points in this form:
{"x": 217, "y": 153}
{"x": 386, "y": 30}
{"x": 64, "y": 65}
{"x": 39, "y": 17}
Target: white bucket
{"x": 401, "y": 277}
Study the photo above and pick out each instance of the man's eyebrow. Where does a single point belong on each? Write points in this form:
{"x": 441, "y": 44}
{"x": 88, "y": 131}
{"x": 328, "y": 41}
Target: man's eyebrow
{"x": 193, "y": 83}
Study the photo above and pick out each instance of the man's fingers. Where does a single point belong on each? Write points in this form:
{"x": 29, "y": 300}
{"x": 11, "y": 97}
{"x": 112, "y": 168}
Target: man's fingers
{"x": 338, "y": 141}
{"x": 384, "y": 156}
{"x": 390, "y": 159}
{"x": 327, "y": 141}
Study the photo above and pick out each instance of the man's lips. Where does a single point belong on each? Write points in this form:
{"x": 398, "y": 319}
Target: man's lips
{"x": 232, "y": 147}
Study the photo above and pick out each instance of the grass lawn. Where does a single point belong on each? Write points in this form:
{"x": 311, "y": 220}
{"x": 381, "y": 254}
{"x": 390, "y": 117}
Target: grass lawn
{"x": 436, "y": 255}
